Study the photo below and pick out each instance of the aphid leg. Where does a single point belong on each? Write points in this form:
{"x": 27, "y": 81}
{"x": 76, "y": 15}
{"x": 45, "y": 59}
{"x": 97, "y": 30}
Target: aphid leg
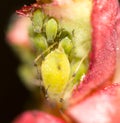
{"x": 39, "y": 57}
{"x": 37, "y": 64}
{"x": 81, "y": 61}
{"x": 69, "y": 85}
{"x": 46, "y": 93}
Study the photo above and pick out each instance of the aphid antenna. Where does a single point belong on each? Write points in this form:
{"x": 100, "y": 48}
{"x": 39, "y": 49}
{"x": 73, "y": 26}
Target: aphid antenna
{"x": 43, "y": 53}
{"x": 81, "y": 61}
{"x": 39, "y": 77}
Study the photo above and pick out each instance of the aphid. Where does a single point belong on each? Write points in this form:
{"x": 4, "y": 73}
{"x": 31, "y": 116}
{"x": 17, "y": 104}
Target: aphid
{"x": 55, "y": 71}
{"x": 51, "y": 29}
{"x": 37, "y": 20}
{"x": 66, "y": 44}
{"x": 40, "y": 42}
{"x": 37, "y": 64}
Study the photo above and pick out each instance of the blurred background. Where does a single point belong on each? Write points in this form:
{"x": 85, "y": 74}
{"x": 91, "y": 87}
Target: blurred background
{"x": 13, "y": 94}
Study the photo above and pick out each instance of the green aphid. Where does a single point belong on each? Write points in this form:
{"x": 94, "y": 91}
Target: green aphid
{"x": 78, "y": 69}
{"x": 40, "y": 42}
{"x": 55, "y": 72}
{"x": 37, "y": 20}
{"x": 51, "y": 30}
{"x": 66, "y": 44}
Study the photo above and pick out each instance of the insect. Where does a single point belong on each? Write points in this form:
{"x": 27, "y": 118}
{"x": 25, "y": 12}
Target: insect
{"x": 37, "y": 64}
{"x": 53, "y": 64}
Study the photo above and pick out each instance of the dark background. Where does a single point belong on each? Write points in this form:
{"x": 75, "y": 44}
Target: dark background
{"x": 13, "y": 94}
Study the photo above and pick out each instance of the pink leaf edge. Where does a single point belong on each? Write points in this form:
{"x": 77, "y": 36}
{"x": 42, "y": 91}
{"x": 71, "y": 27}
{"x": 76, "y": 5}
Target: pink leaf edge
{"x": 37, "y": 117}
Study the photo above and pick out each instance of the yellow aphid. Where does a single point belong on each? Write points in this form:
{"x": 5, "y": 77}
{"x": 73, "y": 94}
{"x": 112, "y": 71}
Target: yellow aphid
{"x": 55, "y": 72}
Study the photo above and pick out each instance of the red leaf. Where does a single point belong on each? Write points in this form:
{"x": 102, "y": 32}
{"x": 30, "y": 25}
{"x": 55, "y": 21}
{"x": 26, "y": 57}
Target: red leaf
{"x": 104, "y": 37}
{"x": 117, "y": 72}
{"x": 101, "y": 107}
{"x": 27, "y": 10}
{"x": 37, "y": 117}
